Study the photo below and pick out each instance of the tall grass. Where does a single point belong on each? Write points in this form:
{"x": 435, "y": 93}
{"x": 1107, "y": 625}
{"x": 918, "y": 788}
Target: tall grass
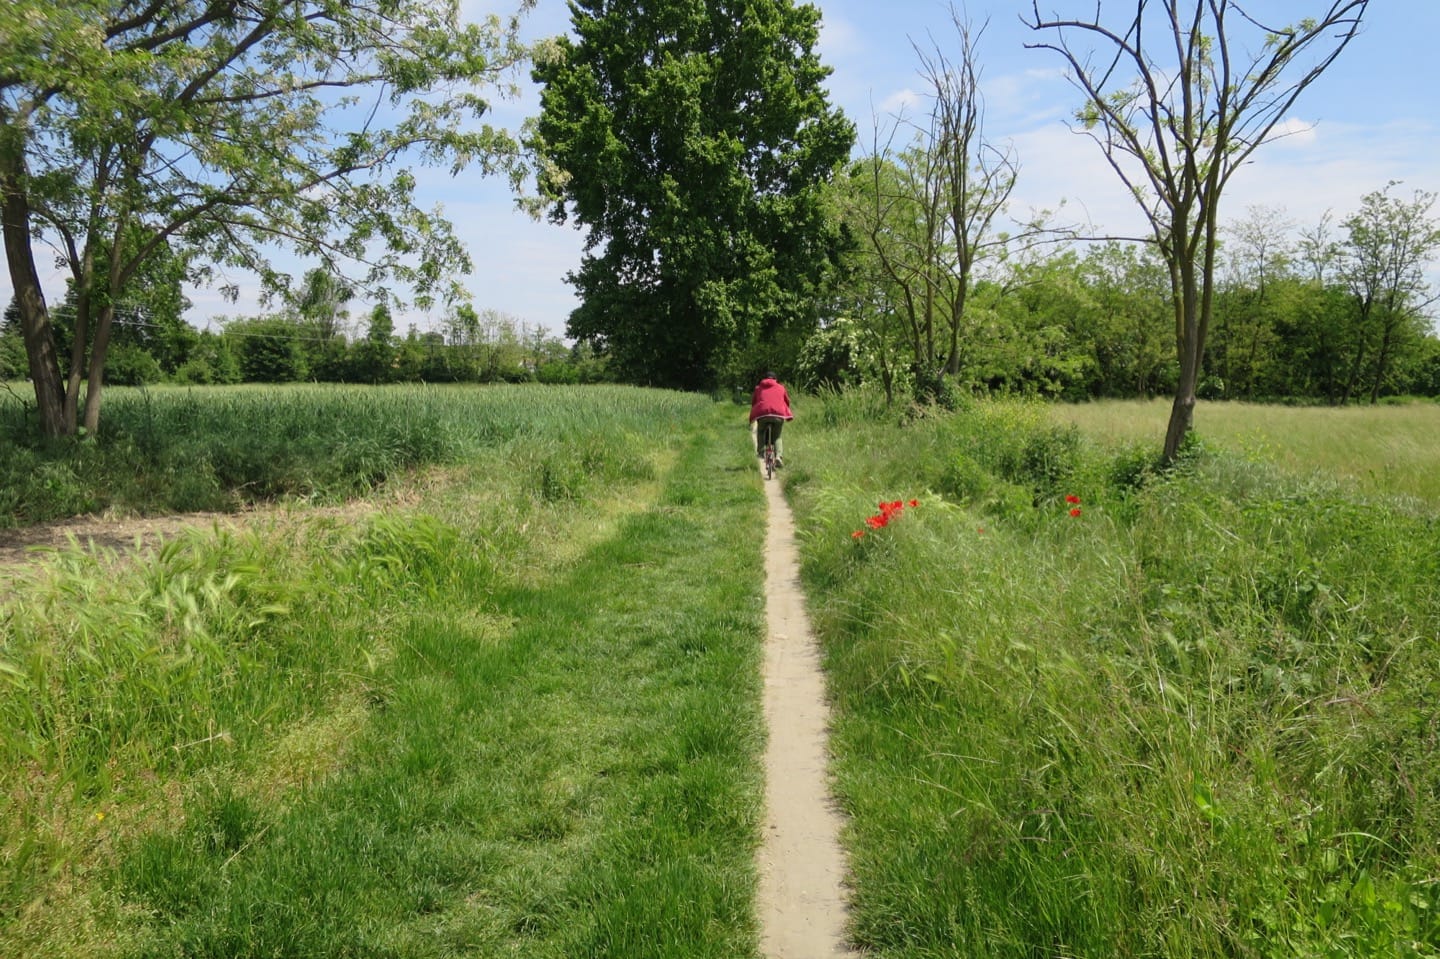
{"x": 1195, "y": 719}
{"x": 519, "y": 715}
{"x": 219, "y": 448}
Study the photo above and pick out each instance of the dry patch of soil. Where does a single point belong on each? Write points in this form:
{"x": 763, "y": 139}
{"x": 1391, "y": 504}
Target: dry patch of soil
{"x": 30, "y": 544}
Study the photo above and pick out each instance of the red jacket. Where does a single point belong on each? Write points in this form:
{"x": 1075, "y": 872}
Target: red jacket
{"x": 770, "y": 399}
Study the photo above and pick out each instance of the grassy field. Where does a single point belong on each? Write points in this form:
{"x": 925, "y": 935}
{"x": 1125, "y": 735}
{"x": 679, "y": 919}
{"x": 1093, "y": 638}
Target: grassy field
{"x": 520, "y": 716}
{"x": 174, "y": 449}
{"x": 1088, "y": 708}
{"x": 1084, "y": 706}
{"x": 1377, "y": 449}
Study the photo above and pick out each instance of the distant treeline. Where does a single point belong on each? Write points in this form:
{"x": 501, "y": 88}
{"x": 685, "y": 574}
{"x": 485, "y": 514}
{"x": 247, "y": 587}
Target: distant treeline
{"x": 1097, "y": 322}
{"x": 309, "y": 344}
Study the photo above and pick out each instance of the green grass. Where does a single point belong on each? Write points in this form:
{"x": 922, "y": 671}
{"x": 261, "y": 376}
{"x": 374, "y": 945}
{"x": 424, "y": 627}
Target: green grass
{"x": 519, "y": 717}
{"x": 516, "y": 712}
{"x": 1194, "y": 720}
{"x": 223, "y": 448}
{"x": 1388, "y": 450}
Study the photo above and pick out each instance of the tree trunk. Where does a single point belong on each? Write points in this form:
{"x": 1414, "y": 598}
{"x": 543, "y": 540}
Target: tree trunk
{"x": 95, "y": 382}
{"x": 25, "y": 281}
{"x": 957, "y": 313}
{"x": 1190, "y": 329}
{"x": 1352, "y": 379}
{"x": 1382, "y": 359}
{"x": 84, "y": 286}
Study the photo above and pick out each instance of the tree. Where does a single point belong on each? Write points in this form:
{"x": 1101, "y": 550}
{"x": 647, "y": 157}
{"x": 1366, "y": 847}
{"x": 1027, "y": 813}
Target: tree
{"x": 209, "y": 124}
{"x": 1389, "y": 244}
{"x": 212, "y": 360}
{"x": 321, "y": 305}
{"x": 1176, "y": 118}
{"x": 267, "y": 350}
{"x": 877, "y": 321}
{"x": 1255, "y": 257}
{"x": 374, "y": 356}
{"x": 927, "y": 213}
{"x": 691, "y": 141}
{"x": 12, "y": 346}
{"x": 1128, "y": 288}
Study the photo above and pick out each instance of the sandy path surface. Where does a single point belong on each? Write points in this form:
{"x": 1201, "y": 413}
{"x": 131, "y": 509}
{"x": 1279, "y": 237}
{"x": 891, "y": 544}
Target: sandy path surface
{"x": 802, "y": 870}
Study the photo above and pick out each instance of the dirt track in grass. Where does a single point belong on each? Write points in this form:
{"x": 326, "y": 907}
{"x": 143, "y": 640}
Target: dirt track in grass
{"x": 802, "y": 905}
{"x": 802, "y": 869}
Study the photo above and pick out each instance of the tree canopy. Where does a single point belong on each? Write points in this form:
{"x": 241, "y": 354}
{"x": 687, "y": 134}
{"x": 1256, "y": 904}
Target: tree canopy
{"x": 225, "y": 130}
{"x": 692, "y": 141}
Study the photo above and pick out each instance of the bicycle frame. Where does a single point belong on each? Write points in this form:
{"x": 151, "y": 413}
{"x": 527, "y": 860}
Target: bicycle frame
{"x": 765, "y": 432}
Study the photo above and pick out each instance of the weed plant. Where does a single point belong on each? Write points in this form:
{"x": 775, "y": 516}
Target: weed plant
{"x": 1190, "y": 714}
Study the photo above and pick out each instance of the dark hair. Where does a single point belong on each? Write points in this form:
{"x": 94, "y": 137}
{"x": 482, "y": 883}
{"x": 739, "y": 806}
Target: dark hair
{"x": 769, "y": 375}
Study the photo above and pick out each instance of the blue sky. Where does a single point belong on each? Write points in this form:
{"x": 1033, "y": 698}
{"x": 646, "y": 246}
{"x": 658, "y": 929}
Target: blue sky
{"x": 1371, "y": 118}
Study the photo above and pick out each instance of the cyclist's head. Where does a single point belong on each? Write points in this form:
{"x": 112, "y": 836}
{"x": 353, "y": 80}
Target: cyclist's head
{"x": 769, "y": 375}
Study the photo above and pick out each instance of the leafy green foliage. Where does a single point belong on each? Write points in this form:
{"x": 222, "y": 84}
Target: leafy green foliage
{"x": 215, "y": 125}
{"x": 691, "y": 142}
{"x": 1176, "y": 144}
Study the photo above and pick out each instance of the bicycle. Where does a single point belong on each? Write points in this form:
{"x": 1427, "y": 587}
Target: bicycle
{"x": 766, "y": 428}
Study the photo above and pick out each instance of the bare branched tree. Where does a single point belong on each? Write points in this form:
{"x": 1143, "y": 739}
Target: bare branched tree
{"x": 1177, "y": 107}
{"x": 928, "y": 212}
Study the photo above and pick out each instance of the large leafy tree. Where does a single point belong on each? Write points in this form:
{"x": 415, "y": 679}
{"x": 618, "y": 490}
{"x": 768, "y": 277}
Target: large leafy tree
{"x": 1128, "y": 290}
{"x": 227, "y": 129}
{"x": 691, "y": 139}
{"x": 1254, "y": 265}
{"x": 1178, "y": 104}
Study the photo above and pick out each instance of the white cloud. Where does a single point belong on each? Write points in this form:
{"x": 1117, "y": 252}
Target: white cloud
{"x": 904, "y": 102}
{"x": 1316, "y": 169}
{"x": 1292, "y": 133}
{"x": 1029, "y": 96}
{"x": 839, "y": 39}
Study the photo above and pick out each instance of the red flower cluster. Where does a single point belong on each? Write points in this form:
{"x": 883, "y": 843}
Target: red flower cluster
{"x": 888, "y": 511}
{"x": 1074, "y": 502}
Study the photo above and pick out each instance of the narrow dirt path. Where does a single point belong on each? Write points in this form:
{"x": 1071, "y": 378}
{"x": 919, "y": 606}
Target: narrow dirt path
{"x": 802, "y": 869}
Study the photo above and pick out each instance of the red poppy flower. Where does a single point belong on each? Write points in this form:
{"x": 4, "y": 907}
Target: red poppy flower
{"x": 914, "y": 502}
{"x": 1073, "y": 500}
{"x": 857, "y": 534}
{"x": 1075, "y": 511}
{"x": 876, "y": 522}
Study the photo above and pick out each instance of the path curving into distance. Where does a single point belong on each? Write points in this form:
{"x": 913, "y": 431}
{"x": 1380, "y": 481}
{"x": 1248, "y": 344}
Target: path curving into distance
{"x": 802, "y": 869}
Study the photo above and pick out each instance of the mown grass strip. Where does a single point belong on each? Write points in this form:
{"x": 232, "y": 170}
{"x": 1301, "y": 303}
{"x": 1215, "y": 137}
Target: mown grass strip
{"x": 574, "y": 772}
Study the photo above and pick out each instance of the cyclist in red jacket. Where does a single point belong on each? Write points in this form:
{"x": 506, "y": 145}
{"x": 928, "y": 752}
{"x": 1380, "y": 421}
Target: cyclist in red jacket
{"x": 769, "y": 411}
